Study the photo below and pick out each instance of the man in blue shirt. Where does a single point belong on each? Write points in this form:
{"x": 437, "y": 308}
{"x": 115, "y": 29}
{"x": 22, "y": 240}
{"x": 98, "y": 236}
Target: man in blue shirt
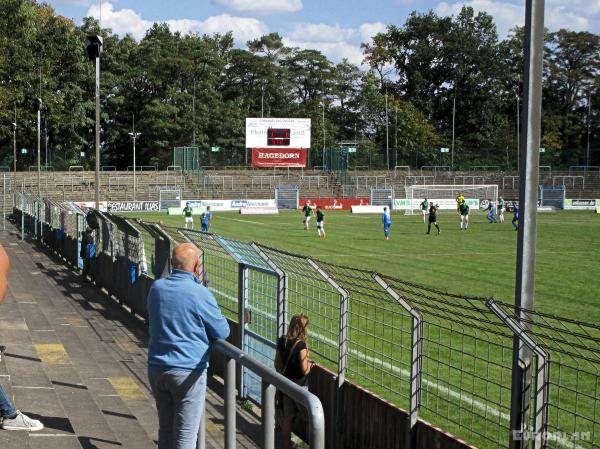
{"x": 206, "y": 219}
{"x": 184, "y": 319}
{"x": 386, "y": 221}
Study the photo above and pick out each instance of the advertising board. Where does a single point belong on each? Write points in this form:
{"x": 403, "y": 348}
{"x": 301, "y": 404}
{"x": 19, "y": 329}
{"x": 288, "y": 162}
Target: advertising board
{"x": 334, "y": 203}
{"x": 278, "y": 157}
{"x": 277, "y": 133}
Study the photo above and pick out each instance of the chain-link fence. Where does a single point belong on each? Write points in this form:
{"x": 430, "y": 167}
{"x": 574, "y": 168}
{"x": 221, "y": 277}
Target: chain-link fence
{"x": 442, "y": 358}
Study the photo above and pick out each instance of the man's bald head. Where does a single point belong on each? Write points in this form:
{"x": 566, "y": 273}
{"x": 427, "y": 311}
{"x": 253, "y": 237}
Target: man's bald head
{"x": 186, "y": 257}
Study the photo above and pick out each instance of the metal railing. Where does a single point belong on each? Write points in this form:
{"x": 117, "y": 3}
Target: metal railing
{"x": 271, "y": 380}
{"x": 512, "y": 181}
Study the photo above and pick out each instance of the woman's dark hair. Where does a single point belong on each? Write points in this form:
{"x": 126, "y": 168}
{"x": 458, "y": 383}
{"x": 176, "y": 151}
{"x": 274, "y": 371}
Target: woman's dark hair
{"x": 297, "y": 327}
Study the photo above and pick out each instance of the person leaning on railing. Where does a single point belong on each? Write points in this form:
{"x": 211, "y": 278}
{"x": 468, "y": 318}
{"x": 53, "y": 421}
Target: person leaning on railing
{"x": 291, "y": 360}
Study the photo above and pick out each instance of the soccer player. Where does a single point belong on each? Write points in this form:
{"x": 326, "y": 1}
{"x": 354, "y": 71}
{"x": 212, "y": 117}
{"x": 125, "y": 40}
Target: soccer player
{"x": 491, "y": 216}
{"x": 386, "y": 221}
{"x": 501, "y": 209}
{"x": 307, "y": 214}
{"x": 187, "y": 213}
{"x": 460, "y": 199}
{"x": 464, "y": 216}
{"x": 424, "y": 206}
{"x": 433, "y": 218}
{"x": 320, "y": 222}
{"x": 515, "y": 220}
{"x": 206, "y": 219}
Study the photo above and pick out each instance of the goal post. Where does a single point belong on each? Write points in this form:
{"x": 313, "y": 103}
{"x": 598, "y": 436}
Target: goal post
{"x": 445, "y": 195}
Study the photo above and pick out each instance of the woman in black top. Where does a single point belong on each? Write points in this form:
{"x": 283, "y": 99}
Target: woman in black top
{"x": 291, "y": 360}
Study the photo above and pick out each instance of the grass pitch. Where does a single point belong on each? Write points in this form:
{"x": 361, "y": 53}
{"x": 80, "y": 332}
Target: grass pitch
{"x": 480, "y": 261}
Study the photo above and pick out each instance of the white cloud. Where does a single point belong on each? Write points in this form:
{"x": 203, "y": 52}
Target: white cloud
{"x": 368, "y": 30}
{"x": 575, "y": 15}
{"x": 127, "y": 21}
{"x": 261, "y": 6}
{"x": 335, "y": 51}
{"x": 321, "y": 32}
{"x": 334, "y": 41}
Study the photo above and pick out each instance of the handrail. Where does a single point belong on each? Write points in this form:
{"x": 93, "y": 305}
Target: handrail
{"x": 271, "y": 379}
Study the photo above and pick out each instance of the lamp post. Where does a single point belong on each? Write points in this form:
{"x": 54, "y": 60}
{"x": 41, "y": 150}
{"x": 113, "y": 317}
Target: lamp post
{"x": 453, "y": 126}
{"x": 94, "y": 50}
{"x": 589, "y": 118}
{"x": 134, "y": 137}
{"x": 14, "y": 129}
{"x": 38, "y": 106}
{"x": 387, "y": 132}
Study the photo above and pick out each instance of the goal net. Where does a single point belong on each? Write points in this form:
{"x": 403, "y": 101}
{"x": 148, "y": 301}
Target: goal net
{"x": 169, "y": 198}
{"x": 445, "y": 195}
{"x": 382, "y": 197}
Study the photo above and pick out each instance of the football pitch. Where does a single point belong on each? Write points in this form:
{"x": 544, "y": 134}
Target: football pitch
{"x": 480, "y": 261}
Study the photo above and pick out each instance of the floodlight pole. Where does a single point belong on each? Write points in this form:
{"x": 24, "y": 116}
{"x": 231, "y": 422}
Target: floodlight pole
{"x": 589, "y": 118}
{"x": 518, "y": 134}
{"x": 387, "y": 132}
{"x": 528, "y": 195}
{"x": 97, "y": 177}
{"x": 39, "y": 118}
{"x": 453, "y": 126}
{"x": 134, "y": 136}
{"x": 14, "y": 127}
{"x": 46, "y": 140}
{"x": 193, "y": 124}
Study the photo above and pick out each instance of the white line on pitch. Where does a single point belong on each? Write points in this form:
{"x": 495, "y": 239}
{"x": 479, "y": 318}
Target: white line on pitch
{"x": 241, "y": 221}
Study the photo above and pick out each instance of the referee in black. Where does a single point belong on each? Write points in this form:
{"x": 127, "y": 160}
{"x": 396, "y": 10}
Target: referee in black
{"x": 432, "y": 219}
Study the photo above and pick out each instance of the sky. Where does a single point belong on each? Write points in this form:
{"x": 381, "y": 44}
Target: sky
{"x": 336, "y": 27}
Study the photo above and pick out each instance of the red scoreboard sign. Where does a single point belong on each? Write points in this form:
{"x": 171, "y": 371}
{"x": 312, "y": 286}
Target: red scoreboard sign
{"x": 278, "y": 157}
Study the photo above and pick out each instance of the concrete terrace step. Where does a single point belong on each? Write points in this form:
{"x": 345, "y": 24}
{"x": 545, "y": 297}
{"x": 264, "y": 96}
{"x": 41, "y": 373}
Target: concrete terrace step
{"x": 76, "y": 360}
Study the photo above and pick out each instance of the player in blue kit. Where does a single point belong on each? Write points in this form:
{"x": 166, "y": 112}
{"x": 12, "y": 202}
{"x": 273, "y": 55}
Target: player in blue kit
{"x": 206, "y": 219}
{"x": 386, "y": 221}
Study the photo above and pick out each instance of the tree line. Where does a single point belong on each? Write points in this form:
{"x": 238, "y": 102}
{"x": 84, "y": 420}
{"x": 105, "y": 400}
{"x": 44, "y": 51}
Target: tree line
{"x": 418, "y": 79}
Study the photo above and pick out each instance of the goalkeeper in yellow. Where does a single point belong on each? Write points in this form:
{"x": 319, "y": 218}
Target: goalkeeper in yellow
{"x": 460, "y": 200}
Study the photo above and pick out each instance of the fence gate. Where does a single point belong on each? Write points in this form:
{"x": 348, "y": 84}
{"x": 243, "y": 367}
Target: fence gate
{"x": 287, "y": 196}
{"x": 258, "y": 307}
{"x": 553, "y": 196}
{"x": 187, "y": 158}
{"x": 169, "y": 198}
{"x": 382, "y": 197}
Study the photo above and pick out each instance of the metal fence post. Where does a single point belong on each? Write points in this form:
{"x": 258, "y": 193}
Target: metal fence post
{"x": 282, "y": 291}
{"x": 415, "y": 365}
{"x": 243, "y": 280}
{"x": 342, "y": 347}
{"x": 542, "y": 381}
{"x": 230, "y": 412}
{"x": 268, "y": 415}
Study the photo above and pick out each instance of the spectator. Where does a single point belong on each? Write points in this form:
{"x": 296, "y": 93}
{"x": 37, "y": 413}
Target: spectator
{"x": 291, "y": 360}
{"x": 184, "y": 319}
{"x": 12, "y": 419}
{"x": 86, "y": 239}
